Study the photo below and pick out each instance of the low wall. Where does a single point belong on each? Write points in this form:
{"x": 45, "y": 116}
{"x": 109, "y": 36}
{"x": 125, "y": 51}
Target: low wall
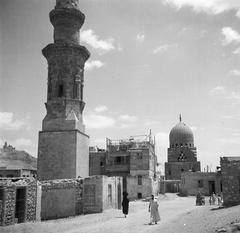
{"x": 61, "y": 198}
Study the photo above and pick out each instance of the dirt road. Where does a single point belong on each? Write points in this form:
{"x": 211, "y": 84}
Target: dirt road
{"x": 178, "y": 214}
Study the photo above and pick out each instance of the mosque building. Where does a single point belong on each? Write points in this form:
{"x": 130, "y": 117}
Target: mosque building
{"x": 182, "y": 153}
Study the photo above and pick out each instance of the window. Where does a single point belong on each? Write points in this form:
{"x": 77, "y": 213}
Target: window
{"x": 139, "y": 155}
{"x": 139, "y": 180}
{"x": 182, "y": 170}
{"x": 200, "y": 183}
{"x": 101, "y": 164}
{"x": 139, "y": 195}
{"x": 60, "y": 90}
{"x": 176, "y": 145}
{"x": 118, "y": 160}
{"x": 1, "y": 194}
{"x": 169, "y": 172}
{"x": 181, "y": 145}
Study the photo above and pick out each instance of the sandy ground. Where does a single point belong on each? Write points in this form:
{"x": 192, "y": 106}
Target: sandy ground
{"x": 178, "y": 214}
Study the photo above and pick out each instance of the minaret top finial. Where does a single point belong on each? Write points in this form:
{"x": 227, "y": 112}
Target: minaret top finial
{"x": 180, "y": 117}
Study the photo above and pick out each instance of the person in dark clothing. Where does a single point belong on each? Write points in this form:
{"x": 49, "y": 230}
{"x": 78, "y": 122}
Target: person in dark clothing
{"x": 125, "y": 204}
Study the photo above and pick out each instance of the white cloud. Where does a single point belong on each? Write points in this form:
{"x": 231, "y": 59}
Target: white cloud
{"x": 230, "y": 36}
{"x": 193, "y": 128}
{"x": 208, "y": 6}
{"x": 9, "y": 122}
{"x": 140, "y": 37}
{"x": 217, "y": 90}
{"x": 89, "y": 37}
{"x": 150, "y": 122}
{"x": 95, "y": 121}
{"x": 89, "y": 65}
{"x": 101, "y": 108}
{"x": 234, "y": 96}
{"x": 128, "y": 118}
{"x": 234, "y": 72}
{"x": 236, "y": 51}
{"x": 21, "y": 143}
{"x": 163, "y": 48}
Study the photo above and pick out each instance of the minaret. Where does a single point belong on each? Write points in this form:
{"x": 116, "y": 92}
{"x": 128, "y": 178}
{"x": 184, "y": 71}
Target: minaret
{"x": 63, "y": 145}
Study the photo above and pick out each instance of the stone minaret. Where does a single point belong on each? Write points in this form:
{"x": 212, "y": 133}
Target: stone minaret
{"x": 63, "y": 145}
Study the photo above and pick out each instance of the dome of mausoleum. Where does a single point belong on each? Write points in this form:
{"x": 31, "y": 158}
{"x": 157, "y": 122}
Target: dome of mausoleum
{"x": 181, "y": 135}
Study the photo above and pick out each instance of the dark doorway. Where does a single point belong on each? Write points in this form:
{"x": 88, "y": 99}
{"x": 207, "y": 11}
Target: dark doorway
{"x": 119, "y": 196}
{"x": 125, "y": 184}
{"x": 211, "y": 186}
{"x": 20, "y": 204}
{"x": 139, "y": 195}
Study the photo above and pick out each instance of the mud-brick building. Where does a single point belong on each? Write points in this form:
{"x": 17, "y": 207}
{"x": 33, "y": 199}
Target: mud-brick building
{"x": 133, "y": 159}
{"x": 70, "y": 197}
{"x": 18, "y": 200}
{"x": 206, "y": 182}
{"x": 230, "y": 168}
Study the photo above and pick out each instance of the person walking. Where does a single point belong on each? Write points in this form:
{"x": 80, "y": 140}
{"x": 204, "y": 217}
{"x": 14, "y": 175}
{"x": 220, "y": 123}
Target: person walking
{"x": 213, "y": 198}
{"x": 153, "y": 209}
{"x": 125, "y": 204}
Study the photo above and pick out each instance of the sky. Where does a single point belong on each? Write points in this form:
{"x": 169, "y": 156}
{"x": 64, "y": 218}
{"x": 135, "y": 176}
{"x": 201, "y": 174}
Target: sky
{"x": 151, "y": 60}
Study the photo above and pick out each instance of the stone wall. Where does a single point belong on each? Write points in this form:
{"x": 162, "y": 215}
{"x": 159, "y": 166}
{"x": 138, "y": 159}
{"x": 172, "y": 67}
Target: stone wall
{"x": 97, "y": 163}
{"x": 230, "y": 168}
{"x": 31, "y": 202}
{"x": 143, "y": 190}
{"x": 192, "y": 182}
{"x": 61, "y": 198}
{"x": 101, "y": 193}
{"x": 113, "y": 199}
{"x": 173, "y": 170}
{"x": 8, "y": 203}
{"x": 62, "y": 154}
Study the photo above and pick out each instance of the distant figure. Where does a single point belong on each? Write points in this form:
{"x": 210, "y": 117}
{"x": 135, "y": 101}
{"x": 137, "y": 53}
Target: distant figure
{"x": 213, "y": 198}
{"x": 125, "y": 204}
{"x": 199, "y": 198}
{"x": 219, "y": 199}
{"x": 210, "y": 200}
{"x": 153, "y": 209}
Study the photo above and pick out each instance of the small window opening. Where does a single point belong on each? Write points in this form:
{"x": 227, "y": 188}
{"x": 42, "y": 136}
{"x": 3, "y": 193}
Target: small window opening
{"x": 139, "y": 195}
{"x": 60, "y": 90}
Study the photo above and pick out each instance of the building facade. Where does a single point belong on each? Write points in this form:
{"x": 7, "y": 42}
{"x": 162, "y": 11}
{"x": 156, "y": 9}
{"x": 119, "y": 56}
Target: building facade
{"x": 230, "y": 168}
{"x": 182, "y": 153}
{"x": 205, "y": 182}
{"x": 63, "y": 149}
{"x": 133, "y": 159}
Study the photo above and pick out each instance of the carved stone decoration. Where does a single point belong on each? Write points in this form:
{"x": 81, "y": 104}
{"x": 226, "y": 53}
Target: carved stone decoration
{"x": 67, "y": 4}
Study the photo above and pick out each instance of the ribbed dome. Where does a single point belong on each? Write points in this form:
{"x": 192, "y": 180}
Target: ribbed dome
{"x": 181, "y": 135}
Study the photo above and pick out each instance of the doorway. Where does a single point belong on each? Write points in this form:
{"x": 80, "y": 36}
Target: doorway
{"x": 20, "y": 205}
{"x": 119, "y": 196}
{"x": 211, "y": 187}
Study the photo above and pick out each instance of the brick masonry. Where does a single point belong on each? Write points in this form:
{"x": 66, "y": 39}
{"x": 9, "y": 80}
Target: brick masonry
{"x": 8, "y": 202}
{"x": 192, "y": 182}
{"x": 230, "y": 167}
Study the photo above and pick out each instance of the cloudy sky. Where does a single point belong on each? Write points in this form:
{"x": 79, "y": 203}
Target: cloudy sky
{"x": 150, "y": 61}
